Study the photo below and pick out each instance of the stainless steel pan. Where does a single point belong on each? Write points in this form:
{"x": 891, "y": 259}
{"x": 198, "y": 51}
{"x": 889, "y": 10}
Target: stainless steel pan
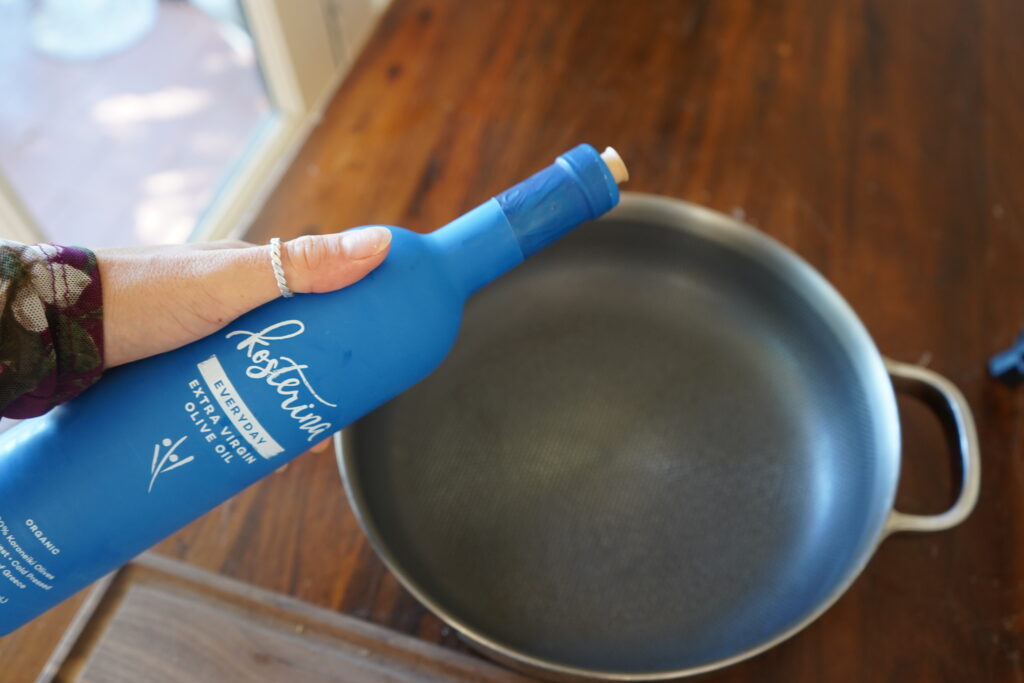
{"x": 659, "y": 447}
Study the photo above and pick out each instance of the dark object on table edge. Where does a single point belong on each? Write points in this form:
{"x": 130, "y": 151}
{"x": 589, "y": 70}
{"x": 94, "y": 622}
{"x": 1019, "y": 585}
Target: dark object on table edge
{"x": 1008, "y": 366}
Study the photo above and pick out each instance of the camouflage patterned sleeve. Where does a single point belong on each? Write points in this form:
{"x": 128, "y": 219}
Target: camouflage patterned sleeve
{"x": 51, "y": 326}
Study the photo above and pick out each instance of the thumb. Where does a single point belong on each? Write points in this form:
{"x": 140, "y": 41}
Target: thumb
{"x": 242, "y": 279}
{"x": 324, "y": 263}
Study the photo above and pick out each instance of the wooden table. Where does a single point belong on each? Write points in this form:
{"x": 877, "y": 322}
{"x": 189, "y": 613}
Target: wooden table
{"x": 883, "y": 140}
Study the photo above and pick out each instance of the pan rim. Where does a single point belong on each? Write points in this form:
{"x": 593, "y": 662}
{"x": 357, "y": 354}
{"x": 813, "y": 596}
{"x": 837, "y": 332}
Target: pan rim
{"x": 858, "y": 345}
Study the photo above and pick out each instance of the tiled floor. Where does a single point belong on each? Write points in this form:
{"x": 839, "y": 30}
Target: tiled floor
{"x": 128, "y": 149}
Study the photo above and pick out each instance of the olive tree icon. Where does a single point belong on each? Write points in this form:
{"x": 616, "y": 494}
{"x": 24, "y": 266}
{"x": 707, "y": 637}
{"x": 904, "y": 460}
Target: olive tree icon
{"x": 168, "y": 461}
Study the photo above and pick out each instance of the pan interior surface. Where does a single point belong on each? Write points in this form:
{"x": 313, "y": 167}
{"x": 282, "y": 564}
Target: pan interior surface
{"x": 647, "y": 452}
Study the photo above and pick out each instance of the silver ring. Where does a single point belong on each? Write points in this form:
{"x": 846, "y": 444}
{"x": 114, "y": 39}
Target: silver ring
{"x": 275, "y": 263}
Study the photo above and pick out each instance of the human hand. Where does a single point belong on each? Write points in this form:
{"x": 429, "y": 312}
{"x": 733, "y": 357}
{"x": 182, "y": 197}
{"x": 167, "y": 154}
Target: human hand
{"x": 156, "y": 299}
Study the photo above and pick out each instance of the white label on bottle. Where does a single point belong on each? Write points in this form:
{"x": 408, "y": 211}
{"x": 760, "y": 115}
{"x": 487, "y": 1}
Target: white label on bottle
{"x": 236, "y": 410}
{"x": 285, "y": 374}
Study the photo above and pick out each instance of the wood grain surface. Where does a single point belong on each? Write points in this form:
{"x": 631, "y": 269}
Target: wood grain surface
{"x": 163, "y": 621}
{"x": 880, "y": 139}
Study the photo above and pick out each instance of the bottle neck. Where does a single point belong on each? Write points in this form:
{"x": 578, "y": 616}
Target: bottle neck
{"x": 578, "y": 187}
{"x": 496, "y": 236}
{"x": 478, "y": 247}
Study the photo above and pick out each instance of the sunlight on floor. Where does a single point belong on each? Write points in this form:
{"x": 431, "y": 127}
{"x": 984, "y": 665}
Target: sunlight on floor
{"x": 169, "y": 103}
{"x": 127, "y": 149}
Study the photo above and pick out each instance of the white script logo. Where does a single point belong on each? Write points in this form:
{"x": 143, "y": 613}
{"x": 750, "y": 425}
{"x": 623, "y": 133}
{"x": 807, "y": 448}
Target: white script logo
{"x": 168, "y": 461}
{"x": 283, "y": 373}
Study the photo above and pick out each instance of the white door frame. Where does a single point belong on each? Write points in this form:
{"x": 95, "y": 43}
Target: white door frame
{"x": 302, "y": 65}
{"x": 15, "y": 222}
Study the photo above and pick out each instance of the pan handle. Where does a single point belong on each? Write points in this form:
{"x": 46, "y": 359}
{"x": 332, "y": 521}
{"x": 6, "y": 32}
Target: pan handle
{"x": 951, "y": 407}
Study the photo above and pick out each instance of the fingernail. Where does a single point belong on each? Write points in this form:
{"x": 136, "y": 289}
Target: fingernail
{"x": 365, "y": 242}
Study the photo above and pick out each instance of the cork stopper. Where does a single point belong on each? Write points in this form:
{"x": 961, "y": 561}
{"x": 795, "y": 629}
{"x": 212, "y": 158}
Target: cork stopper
{"x": 615, "y": 164}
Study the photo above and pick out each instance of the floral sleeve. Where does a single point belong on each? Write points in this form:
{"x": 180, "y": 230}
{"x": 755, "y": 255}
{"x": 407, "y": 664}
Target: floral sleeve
{"x": 51, "y": 326}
